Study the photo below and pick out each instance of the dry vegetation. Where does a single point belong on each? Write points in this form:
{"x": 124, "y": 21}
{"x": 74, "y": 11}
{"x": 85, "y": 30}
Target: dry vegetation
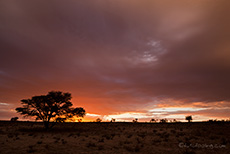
{"x": 83, "y": 138}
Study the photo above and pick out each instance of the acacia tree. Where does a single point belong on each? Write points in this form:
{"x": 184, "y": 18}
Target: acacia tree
{"x": 189, "y": 118}
{"x": 153, "y": 120}
{"x": 113, "y": 120}
{"x": 135, "y": 120}
{"x": 53, "y": 107}
{"x": 164, "y": 120}
{"x": 98, "y": 120}
{"x": 14, "y": 119}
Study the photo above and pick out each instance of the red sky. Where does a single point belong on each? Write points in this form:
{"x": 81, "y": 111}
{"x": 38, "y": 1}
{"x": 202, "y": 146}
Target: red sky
{"x": 119, "y": 59}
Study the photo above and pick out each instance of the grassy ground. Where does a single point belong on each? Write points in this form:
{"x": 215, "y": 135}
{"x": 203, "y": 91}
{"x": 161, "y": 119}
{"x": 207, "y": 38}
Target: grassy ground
{"x": 115, "y": 138}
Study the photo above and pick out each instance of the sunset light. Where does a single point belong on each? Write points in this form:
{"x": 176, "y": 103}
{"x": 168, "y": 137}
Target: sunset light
{"x": 115, "y": 76}
{"x": 122, "y": 60}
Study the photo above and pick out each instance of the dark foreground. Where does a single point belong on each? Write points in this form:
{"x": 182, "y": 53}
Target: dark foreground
{"x": 115, "y": 138}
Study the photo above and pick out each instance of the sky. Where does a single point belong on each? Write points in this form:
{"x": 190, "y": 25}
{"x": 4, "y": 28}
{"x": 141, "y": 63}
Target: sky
{"x": 120, "y": 59}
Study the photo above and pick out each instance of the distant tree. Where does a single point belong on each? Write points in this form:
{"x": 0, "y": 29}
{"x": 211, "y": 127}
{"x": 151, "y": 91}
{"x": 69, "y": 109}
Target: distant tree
{"x": 163, "y": 121}
{"x": 189, "y": 118}
{"x": 210, "y": 120}
{"x": 14, "y": 119}
{"x": 53, "y": 107}
{"x": 135, "y": 120}
{"x": 113, "y": 120}
{"x": 174, "y": 120}
{"x": 153, "y": 120}
{"x": 79, "y": 120}
{"x": 98, "y": 120}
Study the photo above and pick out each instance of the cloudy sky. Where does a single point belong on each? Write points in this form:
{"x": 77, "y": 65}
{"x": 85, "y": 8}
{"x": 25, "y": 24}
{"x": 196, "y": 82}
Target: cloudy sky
{"x": 120, "y": 59}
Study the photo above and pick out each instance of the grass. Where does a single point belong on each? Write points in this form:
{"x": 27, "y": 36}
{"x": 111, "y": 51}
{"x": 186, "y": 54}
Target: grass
{"x": 29, "y": 137}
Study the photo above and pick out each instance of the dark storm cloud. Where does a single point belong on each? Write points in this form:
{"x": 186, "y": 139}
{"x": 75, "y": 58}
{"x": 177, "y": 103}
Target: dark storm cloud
{"x": 125, "y": 52}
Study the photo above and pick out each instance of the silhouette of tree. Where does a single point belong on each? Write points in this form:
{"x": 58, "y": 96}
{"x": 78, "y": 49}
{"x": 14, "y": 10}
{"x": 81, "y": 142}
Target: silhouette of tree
{"x": 153, "y": 120}
{"x": 14, "y": 119}
{"x": 98, "y": 120}
{"x": 53, "y": 107}
{"x": 163, "y": 121}
{"x": 135, "y": 120}
{"x": 113, "y": 120}
{"x": 189, "y": 118}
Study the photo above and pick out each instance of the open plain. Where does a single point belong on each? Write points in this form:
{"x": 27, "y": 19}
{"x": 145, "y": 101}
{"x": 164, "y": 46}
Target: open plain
{"x": 112, "y": 138}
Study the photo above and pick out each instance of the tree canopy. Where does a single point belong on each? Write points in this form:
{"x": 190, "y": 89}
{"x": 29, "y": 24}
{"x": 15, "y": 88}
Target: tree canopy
{"x": 189, "y": 118}
{"x": 53, "y": 107}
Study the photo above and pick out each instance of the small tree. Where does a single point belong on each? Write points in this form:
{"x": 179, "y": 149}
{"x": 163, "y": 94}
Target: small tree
{"x": 53, "y": 107}
{"x": 113, "y": 120}
{"x": 153, "y": 120}
{"x": 189, "y": 118}
{"x": 174, "y": 120}
{"x": 135, "y": 120}
{"x": 98, "y": 120}
{"x": 163, "y": 120}
{"x": 14, "y": 119}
